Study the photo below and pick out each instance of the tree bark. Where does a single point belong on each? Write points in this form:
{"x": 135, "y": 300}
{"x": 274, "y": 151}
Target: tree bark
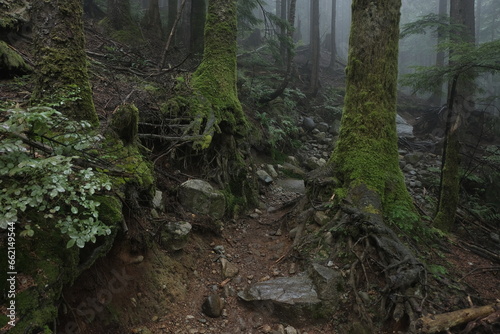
{"x": 118, "y": 14}
{"x": 61, "y": 76}
{"x": 289, "y": 57}
{"x": 151, "y": 21}
{"x": 437, "y": 95}
{"x": 198, "y": 16}
{"x": 333, "y": 32}
{"x": 315, "y": 47}
{"x": 459, "y": 96}
{"x": 367, "y": 151}
{"x": 171, "y": 15}
{"x": 218, "y": 114}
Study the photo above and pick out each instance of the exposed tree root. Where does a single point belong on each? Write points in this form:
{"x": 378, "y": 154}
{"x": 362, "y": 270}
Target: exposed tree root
{"x": 382, "y": 264}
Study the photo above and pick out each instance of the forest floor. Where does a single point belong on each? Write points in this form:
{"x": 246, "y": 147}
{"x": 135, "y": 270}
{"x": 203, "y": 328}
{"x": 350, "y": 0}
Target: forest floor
{"x": 138, "y": 290}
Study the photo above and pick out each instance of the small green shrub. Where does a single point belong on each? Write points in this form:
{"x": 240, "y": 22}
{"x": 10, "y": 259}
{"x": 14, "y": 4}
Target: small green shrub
{"x": 39, "y": 174}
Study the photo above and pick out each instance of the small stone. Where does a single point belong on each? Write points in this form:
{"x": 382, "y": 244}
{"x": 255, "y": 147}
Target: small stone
{"x": 219, "y": 249}
{"x": 290, "y": 330}
{"x": 266, "y": 329}
{"x": 154, "y": 318}
{"x": 323, "y": 127}
{"x": 321, "y": 218}
{"x": 229, "y": 270}
{"x": 270, "y": 169}
{"x": 212, "y": 306}
{"x": 137, "y": 259}
{"x": 264, "y": 177}
{"x": 308, "y": 123}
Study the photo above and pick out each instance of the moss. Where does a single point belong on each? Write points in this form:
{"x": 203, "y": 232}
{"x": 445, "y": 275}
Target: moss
{"x": 367, "y": 152}
{"x": 45, "y": 258}
{"x": 214, "y": 81}
{"x": 125, "y": 122}
{"x": 11, "y": 63}
{"x": 110, "y": 209}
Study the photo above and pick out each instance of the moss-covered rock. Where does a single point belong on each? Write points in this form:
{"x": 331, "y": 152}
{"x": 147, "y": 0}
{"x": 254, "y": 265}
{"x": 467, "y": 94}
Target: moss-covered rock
{"x": 11, "y": 63}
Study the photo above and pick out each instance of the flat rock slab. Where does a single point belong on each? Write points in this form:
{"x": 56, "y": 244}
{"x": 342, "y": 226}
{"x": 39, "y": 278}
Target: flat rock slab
{"x": 285, "y": 290}
{"x": 292, "y": 185}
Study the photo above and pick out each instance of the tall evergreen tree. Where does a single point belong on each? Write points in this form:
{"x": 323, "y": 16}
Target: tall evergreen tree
{"x": 367, "y": 153}
{"x": 219, "y": 115}
{"x": 315, "y": 47}
{"x": 459, "y": 103}
{"x": 151, "y": 21}
{"x": 61, "y": 63}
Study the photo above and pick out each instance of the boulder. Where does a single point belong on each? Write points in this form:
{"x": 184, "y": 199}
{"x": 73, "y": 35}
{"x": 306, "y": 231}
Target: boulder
{"x": 403, "y": 128}
{"x": 289, "y": 297}
{"x": 200, "y": 197}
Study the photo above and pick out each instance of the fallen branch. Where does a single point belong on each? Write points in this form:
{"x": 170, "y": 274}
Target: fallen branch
{"x": 441, "y": 322}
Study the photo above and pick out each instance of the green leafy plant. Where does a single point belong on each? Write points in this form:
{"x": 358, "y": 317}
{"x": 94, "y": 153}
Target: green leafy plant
{"x": 39, "y": 174}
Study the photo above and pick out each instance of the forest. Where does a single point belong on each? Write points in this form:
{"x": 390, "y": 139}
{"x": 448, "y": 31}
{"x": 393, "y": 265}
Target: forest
{"x": 249, "y": 166}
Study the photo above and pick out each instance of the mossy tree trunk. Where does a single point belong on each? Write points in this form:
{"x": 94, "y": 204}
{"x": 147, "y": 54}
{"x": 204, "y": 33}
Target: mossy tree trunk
{"x": 367, "y": 152}
{"x": 61, "y": 64}
{"x": 459, "y": 103}
{"x": 218, "y": 113}
{"x": 360, "y": 195}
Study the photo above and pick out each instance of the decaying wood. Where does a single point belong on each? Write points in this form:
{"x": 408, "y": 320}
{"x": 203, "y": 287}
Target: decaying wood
{"x": 441, "y": 322}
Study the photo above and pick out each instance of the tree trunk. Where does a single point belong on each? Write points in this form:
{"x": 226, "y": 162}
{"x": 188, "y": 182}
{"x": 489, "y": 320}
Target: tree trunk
{"x": 437, "y": 95}
{"x": 282, "y": 14}
{"x": 289, "y": 57}
{"x": 367, "y": 151}
{"x": 315, "y": 47}
{"x": 198, "y": 16}
{"x": 151, "y": 21}
{"x": 362, "y": 188}
{"x": 219, "y": 116}
{"x": 333, "y": 32}
{"x": 171, "y": 15}
{"x": 92, "y": 10}
{"x": 459, "y": 96}
{"x": 61, "y": 65}
{"x": 118, "y": 14}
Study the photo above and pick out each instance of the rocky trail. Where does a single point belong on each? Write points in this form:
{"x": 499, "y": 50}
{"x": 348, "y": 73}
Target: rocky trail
{"x": 243, "y": 275}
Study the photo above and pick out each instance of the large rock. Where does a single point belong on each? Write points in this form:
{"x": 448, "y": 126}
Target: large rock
{"x": 329, "y": 284}
{"x": 200, "y": 197}
{"x": 288, "y": 297}
{"x": 403, "y": 128}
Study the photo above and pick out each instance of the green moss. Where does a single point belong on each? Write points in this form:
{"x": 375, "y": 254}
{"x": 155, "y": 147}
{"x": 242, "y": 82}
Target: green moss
{"x": 45, "y": 258}
{"x": 11, "y": 62}
{"x": 125, "y": 122}
{"x": 367, "y": 153}
{"x": 110, "y": 209}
